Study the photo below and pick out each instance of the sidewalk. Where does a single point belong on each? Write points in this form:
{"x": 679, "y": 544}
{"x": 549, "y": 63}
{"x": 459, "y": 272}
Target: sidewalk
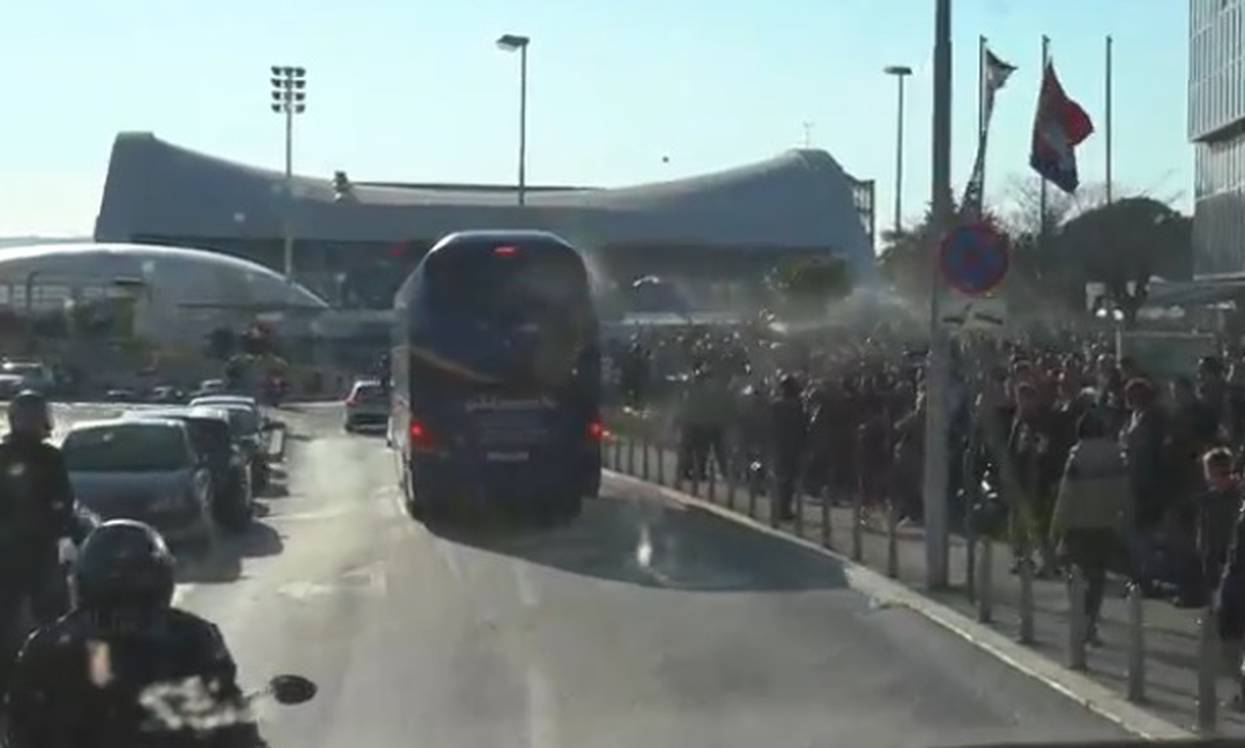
{"x": 1171, "y": 634}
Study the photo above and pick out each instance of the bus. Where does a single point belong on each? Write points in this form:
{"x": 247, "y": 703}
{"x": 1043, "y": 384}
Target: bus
{"x": 495, "y": 390}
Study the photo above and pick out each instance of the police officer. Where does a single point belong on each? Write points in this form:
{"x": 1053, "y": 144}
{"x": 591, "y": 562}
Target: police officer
{"x": 124, "y": 668}
{"x": 36, "y": 521}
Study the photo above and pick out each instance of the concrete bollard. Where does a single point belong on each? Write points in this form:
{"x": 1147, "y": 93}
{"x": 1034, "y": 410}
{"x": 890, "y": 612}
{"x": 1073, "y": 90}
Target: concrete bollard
{"x": 617, "y": 452}
{"x": 1207, "y": 671}
{"x": 858, "y": 530}
{"x": 1136, "y": 645}
{"x": 892, "y": 540}
{"x": 773, "y": 501}
{"x": 695, "y": 480}
{"x": 798, "y": 500}
{"x": 1026, "y": 601}
{"x": 1078, "y": 625}
{"x": 732, "y": 480}
{"x": 644, "y": 447}
{"x": 712, "y": 473}
{"x": 825, "y": 515}
{"x": 631, "y": 456}
{"x": 752, "y": 491}
{"x": 985, "y": 582}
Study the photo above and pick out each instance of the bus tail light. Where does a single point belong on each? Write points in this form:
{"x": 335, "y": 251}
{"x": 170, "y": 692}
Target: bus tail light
{"x": 596, "y": 431}
{"x": 421, "y": 438}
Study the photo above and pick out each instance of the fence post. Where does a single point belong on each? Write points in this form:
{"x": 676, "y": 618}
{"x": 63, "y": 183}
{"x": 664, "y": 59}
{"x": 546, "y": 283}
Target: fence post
{"x": 858, "y": 540}
{"x": 711, "y": 471}
{"x": 695, "y": 479}
{"x": 772, "y": 495}
{"x": 798, "y": 500}
{"x": 825, "y": 515}
{"x": 631, "y": 455}
{"x": 618, "y": 464}
{"x": 985, "y": 582}
{"x": 1207, "y": 671}
{"x": 732, "y": 479}
{"x": 644, "y": 445}
{"x": 1078, "y": 627}
{"x": 1136, "y": 645}
{"x": 1026, "y": 601}
{"x": 970, "y": 560}
{"x": 661, "y": 462}
{"x": 752, "y": 489}
{"x": 892, "y": 539}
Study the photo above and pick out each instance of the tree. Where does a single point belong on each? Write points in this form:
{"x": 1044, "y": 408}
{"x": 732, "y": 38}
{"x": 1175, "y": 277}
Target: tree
{"x": 804, "y": 286}
{"x": 1125, "y": 244}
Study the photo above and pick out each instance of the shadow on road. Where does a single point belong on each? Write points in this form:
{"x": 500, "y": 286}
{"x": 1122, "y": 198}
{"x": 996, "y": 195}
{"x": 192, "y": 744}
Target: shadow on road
{"x": 223, "y": 562}
{"x": 658, "y": 545}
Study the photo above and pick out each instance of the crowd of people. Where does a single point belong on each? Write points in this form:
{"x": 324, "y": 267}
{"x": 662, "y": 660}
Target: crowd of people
{"x": 1084, "y": 458}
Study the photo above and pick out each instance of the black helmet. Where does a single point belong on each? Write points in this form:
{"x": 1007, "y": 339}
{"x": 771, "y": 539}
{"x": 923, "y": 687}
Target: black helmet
{"x": 124, "y": 563}
{"x": 29, "y": 414}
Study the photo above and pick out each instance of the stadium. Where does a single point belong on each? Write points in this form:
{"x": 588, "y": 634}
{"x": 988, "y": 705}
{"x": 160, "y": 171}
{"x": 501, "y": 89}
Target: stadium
{"x": 356, "y": 241}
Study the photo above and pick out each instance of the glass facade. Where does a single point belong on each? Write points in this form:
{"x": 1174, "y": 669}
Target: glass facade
{"x": 1217, "y": 128}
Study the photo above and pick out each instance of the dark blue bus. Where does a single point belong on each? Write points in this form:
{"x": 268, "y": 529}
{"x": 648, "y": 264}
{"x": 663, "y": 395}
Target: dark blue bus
{"x": 496, "y": 377}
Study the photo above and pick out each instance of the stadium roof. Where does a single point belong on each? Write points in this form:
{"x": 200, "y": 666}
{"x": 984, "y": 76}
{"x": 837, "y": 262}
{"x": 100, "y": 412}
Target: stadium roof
{"x": 798, "y": 200}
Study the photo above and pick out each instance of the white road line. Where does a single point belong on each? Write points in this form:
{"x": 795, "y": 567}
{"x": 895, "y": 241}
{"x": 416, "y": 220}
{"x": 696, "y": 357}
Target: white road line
{"x": 525, "y": 585}
{"x": 542, "y": 723}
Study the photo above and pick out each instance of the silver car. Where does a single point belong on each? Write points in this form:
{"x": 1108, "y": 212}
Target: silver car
{"x": 367, "y": 405}
{"x": 146, "y": 470}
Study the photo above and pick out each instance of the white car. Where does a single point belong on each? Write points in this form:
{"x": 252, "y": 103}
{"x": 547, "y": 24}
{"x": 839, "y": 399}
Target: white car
{"x": 146, "y": 470}
{"x": 367, "y": 405}
{"x": 32, "y": 375}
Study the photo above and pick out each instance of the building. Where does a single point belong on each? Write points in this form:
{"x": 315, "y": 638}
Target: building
{"x": 1217, "y": 130}
{"x": 170, "y": 296}
{"x": 357, "y": 241}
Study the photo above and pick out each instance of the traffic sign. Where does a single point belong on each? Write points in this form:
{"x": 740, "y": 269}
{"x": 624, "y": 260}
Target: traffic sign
{"x": 974, "y": 259}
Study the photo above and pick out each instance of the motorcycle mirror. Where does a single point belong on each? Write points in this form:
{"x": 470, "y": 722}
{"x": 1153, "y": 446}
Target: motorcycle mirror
{"x": 292, "y": 689}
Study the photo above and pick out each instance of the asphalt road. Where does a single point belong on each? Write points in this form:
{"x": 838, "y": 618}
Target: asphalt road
{"x": 643, "y": 623}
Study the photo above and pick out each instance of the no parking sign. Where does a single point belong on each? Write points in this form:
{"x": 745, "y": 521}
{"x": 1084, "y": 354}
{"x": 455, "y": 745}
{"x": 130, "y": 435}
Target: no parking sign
{"x": 974, "y": 259}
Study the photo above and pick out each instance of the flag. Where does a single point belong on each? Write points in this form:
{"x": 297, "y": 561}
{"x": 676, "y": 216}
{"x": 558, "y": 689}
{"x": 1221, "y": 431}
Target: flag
{"x": 995, "y": 73}
{"x": 1059, "y": 125}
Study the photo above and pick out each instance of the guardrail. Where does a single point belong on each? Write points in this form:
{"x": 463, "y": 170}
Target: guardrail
{"x": 646, "y": 454}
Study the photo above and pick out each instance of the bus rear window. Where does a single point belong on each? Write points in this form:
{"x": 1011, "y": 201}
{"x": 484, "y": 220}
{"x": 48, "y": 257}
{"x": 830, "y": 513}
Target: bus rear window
{"x": 508, "y": 282}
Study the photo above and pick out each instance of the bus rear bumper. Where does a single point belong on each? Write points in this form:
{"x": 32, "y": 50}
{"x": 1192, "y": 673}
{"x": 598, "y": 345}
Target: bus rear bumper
{"x": 499, "y": 484}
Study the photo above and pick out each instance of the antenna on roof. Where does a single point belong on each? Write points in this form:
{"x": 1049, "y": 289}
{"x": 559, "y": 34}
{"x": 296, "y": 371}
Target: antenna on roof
{"x": 808, "y": 134}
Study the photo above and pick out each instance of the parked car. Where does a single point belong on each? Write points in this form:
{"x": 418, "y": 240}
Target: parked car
{"x": 166, "y": 394}
{"x": 367, "y": 404}
{"x": 32, "y": 374}
{"x": 232, "y": 497}
{"x": 145, "y": 470}
{"x": 246, "y": 423}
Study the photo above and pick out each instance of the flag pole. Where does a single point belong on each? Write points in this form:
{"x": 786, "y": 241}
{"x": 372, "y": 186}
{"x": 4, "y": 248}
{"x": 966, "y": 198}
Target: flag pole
{"x": 1108, "y": 92}
{"x": 1042, "y": 193}
{"x": 981, "y": 85}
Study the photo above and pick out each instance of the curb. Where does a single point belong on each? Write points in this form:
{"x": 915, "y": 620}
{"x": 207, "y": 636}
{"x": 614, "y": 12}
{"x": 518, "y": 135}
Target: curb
{"x": 1080, "y": 688}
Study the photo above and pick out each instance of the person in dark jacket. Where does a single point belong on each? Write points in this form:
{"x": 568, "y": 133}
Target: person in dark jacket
{"x": 123, "y": 668}
{"x": 37, "y": 521}
{"x": 1092, "y": 509}
{"x": 1146, "y": 444}
{"x": 1213, "y": 512}
{"x": 789, "y": 432}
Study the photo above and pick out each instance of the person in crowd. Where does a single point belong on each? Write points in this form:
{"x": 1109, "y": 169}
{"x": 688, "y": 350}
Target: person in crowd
{"x": 1146, "y": 442}
{"x": 873, "y": 450}
{"x": 36, "y": 521}
{"x": 124, "y": 668}
{"x": 910, "y": 463}
{"x": 1092, "y": 509}
{"x": 1213, "y": 510}
{"x": 789, "y": 432}
{"x": 1229, "y": 607}
{"x": 1033, "y": 453}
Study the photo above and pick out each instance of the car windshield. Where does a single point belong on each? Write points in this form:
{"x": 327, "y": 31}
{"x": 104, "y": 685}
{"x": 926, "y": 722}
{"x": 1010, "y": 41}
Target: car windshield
{"x": 369, "y": 392}
{"x": 126, "y": 448}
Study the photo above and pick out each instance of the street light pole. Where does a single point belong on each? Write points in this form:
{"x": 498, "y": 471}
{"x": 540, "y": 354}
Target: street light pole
{"x": 510, "y": 43}
{"x": 900, "y": 72}
{"x": 288, "y": 98}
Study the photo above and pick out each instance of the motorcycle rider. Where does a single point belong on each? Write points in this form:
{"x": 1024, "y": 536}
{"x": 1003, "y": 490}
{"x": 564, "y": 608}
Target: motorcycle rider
{"x": 125, "y": 668}
{"x": 36, "y": 522}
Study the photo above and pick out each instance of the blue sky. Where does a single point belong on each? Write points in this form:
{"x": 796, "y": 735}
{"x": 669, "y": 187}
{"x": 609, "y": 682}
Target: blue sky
{"x": 416, "y": 90}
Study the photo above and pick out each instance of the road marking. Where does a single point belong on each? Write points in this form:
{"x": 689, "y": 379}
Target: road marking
{"x": 542, "y": 725}
{"x": 180, "y": 592}
{"x": 525, "y": 585}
